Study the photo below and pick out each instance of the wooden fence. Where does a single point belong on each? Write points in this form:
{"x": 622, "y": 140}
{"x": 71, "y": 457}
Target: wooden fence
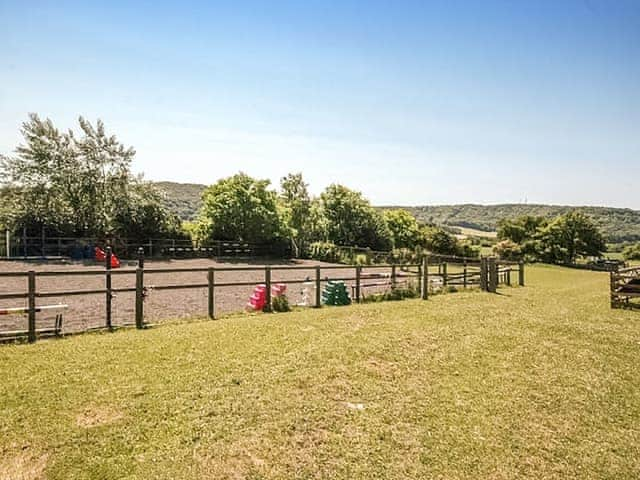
{"x": 42, "y": 246}
{"x": 625, "y": 287}
{"x": 487, "y": 273}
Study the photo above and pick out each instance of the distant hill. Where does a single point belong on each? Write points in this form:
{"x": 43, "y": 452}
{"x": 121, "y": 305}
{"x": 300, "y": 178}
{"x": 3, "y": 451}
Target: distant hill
{"x": 618, "y": 224}
{"x": 184, "y": 199}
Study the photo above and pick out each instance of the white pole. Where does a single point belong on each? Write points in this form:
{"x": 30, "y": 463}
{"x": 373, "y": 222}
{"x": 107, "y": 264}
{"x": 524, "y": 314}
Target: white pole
{"x": 7, "y": 241}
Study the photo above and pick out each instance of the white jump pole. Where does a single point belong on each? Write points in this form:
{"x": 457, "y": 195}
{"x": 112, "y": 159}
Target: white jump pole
{"x": 10, "y": 311}
{"x": 7, "y": 242}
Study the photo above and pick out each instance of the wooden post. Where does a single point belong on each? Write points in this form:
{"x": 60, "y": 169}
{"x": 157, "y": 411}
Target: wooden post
{"x": 358, "y": 274}
{"x": 212, "y": 295}
{"x": 318, "y": 301}
{"x": 109, "y": 295}
{"x": 139, "y": 297}
{"x": 267, "y": 281}
{"x": 444, "y": 274}
{"x": 393, "y": 276}
{"x": 43, "y": 242}
{"x": 483, "y": 274}
{"x": 140, "y": 257}
{"x": 32, "y": 305}
{"x": 464, "y": 275}
{"x": 493, "y": 275}
{"x": 521, "y": 273}
{"x": 509, "y": 275}
{"x": 24, "y": 241}
{"x": 424, "y": 290}
{"x": 612, "y": 288}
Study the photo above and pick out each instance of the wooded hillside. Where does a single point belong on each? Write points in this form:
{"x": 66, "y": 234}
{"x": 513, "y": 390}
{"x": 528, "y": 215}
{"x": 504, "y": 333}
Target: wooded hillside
{"x": 618, "y": 224}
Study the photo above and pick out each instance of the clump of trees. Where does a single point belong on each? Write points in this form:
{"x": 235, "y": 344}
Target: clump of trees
{"x": 563, "y": 239}
{"x": 244, "y": 208}
{"x": 78, "y": 184}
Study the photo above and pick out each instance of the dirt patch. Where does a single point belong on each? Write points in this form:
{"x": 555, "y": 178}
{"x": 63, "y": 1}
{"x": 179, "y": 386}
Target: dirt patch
{"x": 98, "y": 416}
{"x": 22, "y": 465}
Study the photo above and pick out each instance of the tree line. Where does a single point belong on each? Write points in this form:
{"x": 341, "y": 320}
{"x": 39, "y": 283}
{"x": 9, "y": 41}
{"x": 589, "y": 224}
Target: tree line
{"x": 562, "y": 239}
{"x": 80, "y": 184}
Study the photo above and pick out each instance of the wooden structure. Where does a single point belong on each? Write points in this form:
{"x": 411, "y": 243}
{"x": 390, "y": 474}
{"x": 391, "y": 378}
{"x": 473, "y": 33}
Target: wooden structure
{"x": 428, "y": 277}
{"x": 625, "y": 288}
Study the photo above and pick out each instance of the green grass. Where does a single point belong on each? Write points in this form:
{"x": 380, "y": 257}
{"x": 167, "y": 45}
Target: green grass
{"x": 537, "y": 382}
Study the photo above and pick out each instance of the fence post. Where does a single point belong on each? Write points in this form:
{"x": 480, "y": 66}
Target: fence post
{"x": 464, "y": 275}
{"x": 358, "y": 273}
{"x": 212, "y": 294}
{"x": 32, "y": 305}
{"x": 521, "y": 273}
{"x": 424, "y": 290}
{"x": 318, "y": 304}
{"x": 612, "y": 288}
{"x": 483, "y": 274}
{"x": 109, "y": 296}
{"x": 493, "y": 275}
{"x": 444, "y": 274}
{"x": 393, "y": 276}
{"x": 24, "y": 241}
{"x": 267, "y": 281}
{"x": 139, "y": 297}
{"x": 509, "y": 276}
{"x": 140, "y": 257}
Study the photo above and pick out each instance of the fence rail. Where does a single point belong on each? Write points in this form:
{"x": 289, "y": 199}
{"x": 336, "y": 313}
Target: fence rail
{"x": 42, "y": 246}
{"x": 487, "y": 274}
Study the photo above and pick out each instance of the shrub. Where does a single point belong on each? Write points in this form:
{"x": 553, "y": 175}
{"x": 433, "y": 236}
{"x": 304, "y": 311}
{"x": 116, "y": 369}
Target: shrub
{"x": 632, "y": 252}
{"x": 508, "y": 250}
{"x": 280, "y": 304}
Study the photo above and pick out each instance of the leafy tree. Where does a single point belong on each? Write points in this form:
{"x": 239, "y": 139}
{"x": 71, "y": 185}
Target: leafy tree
{"x": 404, "y": 228}
{"x": 242, "y": 208}
{"x": 78, "y": 185}
{"x": 439, "y": 241}
{"x": 297, "y": 207}
{"x": 520, "y": 229}
{"x": 569, "y": 236}
{"x": 508, "y": 250}
{"x": 351, "y": 220}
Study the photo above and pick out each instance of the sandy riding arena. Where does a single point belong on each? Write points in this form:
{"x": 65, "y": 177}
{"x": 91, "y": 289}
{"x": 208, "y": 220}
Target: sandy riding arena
{"x": 88, "y": 311}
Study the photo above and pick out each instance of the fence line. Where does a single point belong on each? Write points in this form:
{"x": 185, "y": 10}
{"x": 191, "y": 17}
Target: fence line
{"x": 487, "y": 274}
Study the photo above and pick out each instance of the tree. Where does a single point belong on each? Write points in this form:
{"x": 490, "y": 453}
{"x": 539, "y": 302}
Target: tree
{"x": 569, "y": 236}
{"x": 508, "y": 250}
{"x": 437, "y": 240}
{"x": 404, "y": 228}
{"x": 352, "y": 221}
{"x": 520, "y": 229}
{"x": 242, "y": 208}
{"x": 78, "y": 185}
{"x": 296, "y": 203}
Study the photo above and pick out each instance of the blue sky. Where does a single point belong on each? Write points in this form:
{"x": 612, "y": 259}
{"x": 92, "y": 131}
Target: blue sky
{"x": 409, "y": 102}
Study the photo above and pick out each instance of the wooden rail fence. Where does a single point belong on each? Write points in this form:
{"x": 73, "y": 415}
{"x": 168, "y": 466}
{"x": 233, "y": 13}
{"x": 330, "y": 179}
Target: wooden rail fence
{"x": 487, "y": 274}
{"x": 625, "y": 287}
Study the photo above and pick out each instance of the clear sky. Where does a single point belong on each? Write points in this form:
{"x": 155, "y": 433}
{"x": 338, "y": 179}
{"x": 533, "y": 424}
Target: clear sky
{"x": 411, "y": 102}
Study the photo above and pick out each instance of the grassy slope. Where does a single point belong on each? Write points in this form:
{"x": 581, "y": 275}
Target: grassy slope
{"x": 539, "y": 382}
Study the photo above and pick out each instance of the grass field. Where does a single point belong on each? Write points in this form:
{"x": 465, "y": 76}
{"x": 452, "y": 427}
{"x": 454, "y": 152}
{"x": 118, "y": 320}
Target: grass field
{"x": 536, "y": 382}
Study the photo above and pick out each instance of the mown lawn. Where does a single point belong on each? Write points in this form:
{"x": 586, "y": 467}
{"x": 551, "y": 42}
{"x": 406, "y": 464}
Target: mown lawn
{"x": 537, "y": 382}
